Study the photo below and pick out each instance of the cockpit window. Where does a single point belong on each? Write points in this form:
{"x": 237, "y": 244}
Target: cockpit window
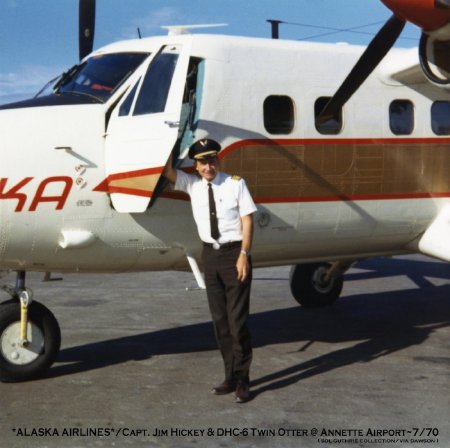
{"x": 100, "y": 75}
{"x": 156, "y": 85}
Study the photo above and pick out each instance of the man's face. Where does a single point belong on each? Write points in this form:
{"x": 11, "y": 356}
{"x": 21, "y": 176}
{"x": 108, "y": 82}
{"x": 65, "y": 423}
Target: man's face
{"x": 207, "y": 167}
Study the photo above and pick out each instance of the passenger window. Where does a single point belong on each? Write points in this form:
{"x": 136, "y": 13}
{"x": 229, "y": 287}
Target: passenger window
{"x": 440, "y": 117}
{"x": 155, "y": 87}
{"x": 401, "y": 117}
{"x": 331, "y": 126}
{"x": 278, "y": 114}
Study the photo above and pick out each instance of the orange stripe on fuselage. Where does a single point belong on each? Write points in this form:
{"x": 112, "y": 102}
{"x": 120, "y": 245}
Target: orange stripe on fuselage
{"x": 312, "y": 170}
{"x": 319, "y": 170}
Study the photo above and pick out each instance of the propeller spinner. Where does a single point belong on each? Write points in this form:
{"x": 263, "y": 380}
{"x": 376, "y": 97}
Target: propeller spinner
{"x": 427, "y": 14}
{"x": 86, "y": 26}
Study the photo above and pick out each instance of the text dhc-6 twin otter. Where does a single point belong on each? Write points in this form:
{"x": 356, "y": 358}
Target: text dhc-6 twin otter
{"x": 345, "y": 149}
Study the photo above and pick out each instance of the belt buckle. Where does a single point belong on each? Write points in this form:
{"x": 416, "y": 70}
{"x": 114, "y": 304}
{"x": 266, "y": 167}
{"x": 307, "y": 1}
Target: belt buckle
{"x": 216, "y": 245}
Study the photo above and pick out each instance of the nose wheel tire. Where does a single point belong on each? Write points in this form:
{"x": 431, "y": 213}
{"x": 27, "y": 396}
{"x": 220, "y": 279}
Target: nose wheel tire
{"x": 18, "y": 362}
{"x": 310, "y": 287}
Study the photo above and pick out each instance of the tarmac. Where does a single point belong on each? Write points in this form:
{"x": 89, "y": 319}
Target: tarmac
{"x": 138, "y": 359}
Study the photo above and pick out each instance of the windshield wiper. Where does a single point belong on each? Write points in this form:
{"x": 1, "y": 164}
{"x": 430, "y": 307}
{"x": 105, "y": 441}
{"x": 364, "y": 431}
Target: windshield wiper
{"x": 66, "y": 77}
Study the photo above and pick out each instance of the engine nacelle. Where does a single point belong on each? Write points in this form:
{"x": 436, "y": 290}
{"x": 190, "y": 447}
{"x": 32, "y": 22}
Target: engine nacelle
{"x": 434, "y": 55}
{"x": 433, "y": 16}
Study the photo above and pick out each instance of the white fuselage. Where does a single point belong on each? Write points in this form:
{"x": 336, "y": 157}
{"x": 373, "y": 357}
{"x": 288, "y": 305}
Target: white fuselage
{"x": 358, "y": 193}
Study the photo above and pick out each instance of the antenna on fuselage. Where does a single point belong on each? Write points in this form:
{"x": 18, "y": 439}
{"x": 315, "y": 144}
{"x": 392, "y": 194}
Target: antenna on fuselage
{"x": 275, "y": 27}
{"x": 176, "y": 30}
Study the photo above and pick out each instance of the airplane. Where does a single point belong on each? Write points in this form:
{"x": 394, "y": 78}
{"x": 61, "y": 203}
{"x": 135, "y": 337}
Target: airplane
{"x": 345, "y": 149}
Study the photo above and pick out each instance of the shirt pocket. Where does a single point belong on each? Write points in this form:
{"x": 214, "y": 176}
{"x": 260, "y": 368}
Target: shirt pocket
{"x": 227, "y": 207}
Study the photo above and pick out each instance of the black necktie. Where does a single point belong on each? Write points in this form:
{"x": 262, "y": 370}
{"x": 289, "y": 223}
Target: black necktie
{"x": 212, "y": 213}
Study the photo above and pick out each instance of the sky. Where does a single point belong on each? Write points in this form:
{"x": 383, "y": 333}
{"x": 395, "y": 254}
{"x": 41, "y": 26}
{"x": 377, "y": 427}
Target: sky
{"x": 39, "y": 38}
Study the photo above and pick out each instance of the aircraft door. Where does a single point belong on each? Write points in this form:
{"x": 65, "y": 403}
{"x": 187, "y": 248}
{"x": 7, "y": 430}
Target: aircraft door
{"x": 145, "y": 127}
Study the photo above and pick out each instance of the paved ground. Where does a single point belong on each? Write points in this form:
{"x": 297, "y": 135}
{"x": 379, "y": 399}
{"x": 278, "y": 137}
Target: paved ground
{"x": 138, "y": 358}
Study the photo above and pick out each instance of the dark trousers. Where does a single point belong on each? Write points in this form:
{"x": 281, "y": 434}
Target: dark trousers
{"x": 229, "y": 301}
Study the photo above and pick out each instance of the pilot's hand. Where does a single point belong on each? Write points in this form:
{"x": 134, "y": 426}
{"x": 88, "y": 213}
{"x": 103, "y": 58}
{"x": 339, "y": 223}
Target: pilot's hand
{"x": 243, "y": 267}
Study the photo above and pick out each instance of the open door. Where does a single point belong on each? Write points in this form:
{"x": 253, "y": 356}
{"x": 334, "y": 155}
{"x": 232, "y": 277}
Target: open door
{"x": 146, "y": 126}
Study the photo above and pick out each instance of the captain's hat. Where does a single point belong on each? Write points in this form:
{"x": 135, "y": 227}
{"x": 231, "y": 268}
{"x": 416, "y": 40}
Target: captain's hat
{"x": 204, "y": 148}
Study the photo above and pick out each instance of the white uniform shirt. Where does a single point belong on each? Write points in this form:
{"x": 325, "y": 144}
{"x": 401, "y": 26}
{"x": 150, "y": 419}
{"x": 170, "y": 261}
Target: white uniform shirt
{"x": 232, "y": 198}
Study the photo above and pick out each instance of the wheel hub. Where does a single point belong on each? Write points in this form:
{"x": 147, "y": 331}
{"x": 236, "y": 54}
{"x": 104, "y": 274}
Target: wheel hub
{"x": 319, "y": 282}
{"x": 11, "y": 348}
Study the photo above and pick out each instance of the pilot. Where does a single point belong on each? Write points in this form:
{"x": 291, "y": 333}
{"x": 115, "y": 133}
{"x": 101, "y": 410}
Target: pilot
{"x": 223, "y": 207}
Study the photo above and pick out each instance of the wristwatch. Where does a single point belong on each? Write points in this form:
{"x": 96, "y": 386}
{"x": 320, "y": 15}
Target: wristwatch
{"x": 245, "y": 252}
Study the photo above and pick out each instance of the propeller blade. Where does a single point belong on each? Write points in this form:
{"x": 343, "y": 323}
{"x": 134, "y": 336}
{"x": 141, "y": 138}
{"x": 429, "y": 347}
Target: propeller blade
{"x": 374, "y": 53}
{"x": 86, "y": 27}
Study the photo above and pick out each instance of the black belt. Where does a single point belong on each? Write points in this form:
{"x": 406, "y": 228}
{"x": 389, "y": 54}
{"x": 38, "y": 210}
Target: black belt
{"x": 218, "y": 246}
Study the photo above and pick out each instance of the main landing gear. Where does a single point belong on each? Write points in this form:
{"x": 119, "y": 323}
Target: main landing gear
{"x": 29, "y": 335}
{"x": 317, "y": 284}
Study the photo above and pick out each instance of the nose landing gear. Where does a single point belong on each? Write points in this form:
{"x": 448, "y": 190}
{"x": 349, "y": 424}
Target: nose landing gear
{"x": 30, "y": 336}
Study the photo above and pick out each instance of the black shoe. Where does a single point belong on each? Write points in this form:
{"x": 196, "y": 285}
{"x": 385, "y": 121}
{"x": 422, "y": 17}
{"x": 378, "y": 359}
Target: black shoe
{"x": 226, "y": 387}
{"x": 242, "y": 392}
